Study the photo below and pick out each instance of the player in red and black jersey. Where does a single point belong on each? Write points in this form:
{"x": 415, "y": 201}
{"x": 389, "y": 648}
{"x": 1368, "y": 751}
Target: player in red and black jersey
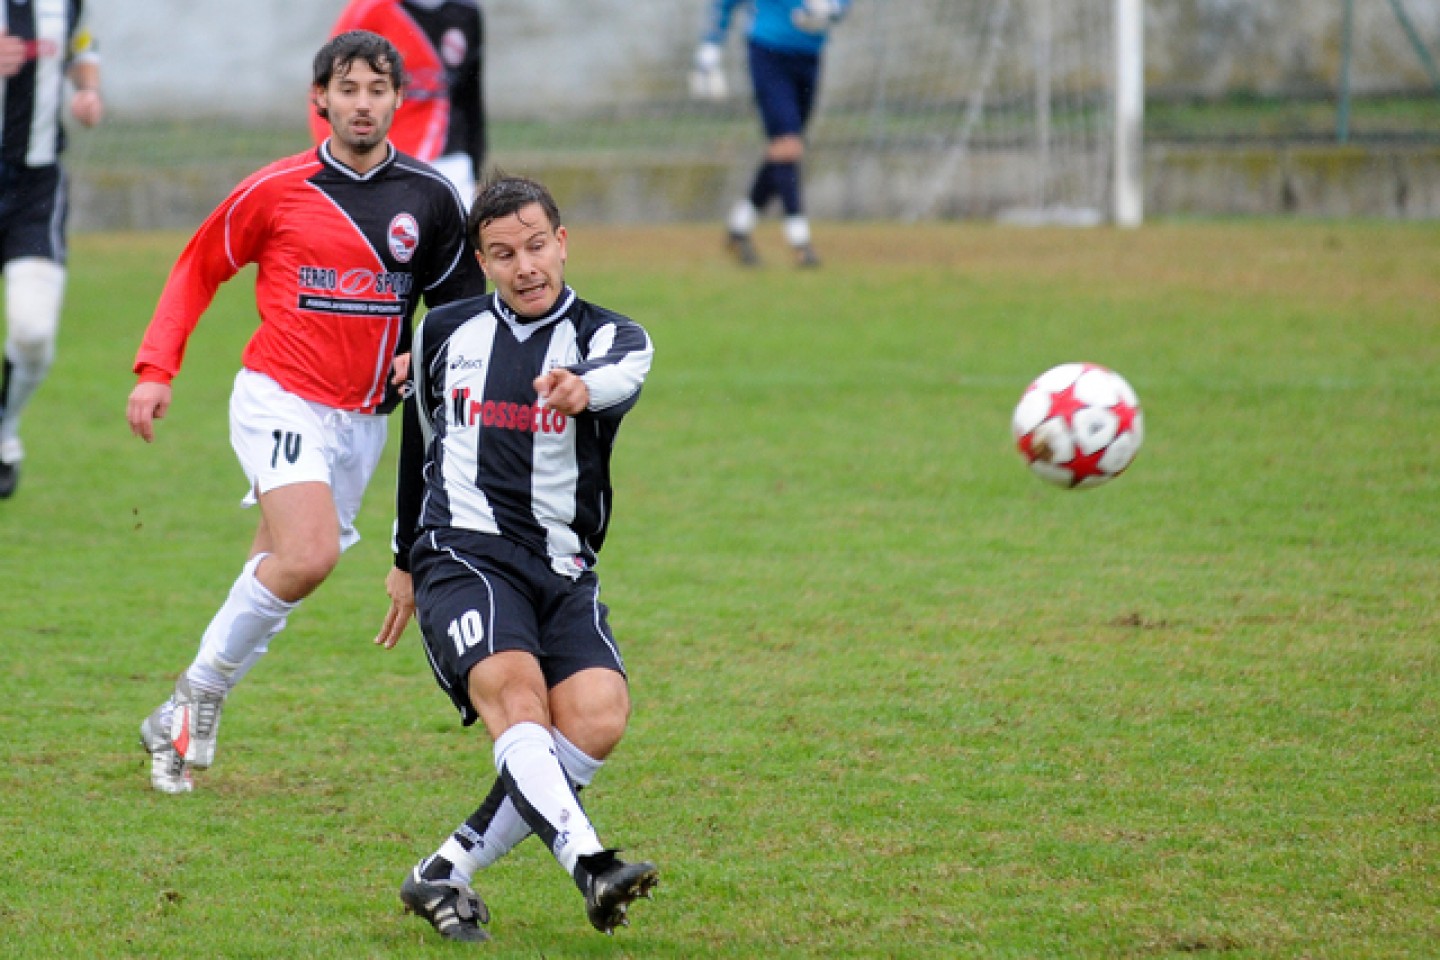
{"x": 443, "y": 118}
{"x": 348, "y": 237}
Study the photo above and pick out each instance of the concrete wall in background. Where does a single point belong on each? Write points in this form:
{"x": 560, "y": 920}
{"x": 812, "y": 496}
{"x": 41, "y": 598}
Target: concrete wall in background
{"x": 251, "y": 60}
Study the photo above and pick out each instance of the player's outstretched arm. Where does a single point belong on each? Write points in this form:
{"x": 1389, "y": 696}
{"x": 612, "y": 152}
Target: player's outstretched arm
{"x": 149, "y": 401}
{"x": 401, "y": 588}
{"x": 562, "y": 390}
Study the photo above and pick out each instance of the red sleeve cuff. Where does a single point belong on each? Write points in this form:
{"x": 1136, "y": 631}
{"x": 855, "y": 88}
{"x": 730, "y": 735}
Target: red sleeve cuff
{"x": 149, "y": 373}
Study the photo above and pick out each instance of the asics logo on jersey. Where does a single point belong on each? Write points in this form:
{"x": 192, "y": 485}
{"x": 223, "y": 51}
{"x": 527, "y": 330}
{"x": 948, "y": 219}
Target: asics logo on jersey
{"x": 404, "y": 236}
{"x": 525, "y": 417}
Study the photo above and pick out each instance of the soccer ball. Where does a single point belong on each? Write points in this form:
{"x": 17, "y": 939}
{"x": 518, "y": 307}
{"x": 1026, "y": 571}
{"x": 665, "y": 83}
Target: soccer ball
{"x": 1078, "y": 425}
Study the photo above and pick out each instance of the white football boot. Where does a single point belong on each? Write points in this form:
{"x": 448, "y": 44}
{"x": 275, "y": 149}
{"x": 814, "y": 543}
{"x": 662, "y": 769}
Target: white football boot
{"x": 196, "y": 723}
{"x": 168, "y": 772}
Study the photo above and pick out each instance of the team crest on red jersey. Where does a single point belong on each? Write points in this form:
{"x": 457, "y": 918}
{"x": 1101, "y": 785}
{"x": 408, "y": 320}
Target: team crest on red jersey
{"x": 404, "y": 235}
{"x": 453, "y": 47}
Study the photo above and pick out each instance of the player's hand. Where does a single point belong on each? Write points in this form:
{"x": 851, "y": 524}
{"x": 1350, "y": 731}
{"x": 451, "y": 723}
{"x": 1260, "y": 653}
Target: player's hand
{"x": 401, "y": 588}
{"x": 816, "y": 16}
{"x": 87, "y": 107}
{"x": 563, "y": 391}
{"x": 400, "y": 369}
{"x": 12, "y": 54}
{"x": 707, "y": 76}
{"x": 148, "y": 402}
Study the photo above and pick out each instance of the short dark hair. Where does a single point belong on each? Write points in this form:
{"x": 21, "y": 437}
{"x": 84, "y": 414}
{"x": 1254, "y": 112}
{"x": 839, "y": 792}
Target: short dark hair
{"x": 343, "y": 49}
{"x": 501, "y": 195}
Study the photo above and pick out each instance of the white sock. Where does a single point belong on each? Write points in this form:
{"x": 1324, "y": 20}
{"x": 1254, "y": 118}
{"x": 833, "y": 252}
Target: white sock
{"x": 579, "y": 766}
{"x": 25, "y": 379}
{"x": 469, "y": 852}
{"x": 525, "y": 757}
{"x": 797, "y": 230}
{"x": 262, "y": 648}
{"x": 240, "y": 632}
{"x": 504, "y": 833}
{"x": 743, "y": 217}
{"x": 34, "y": 291}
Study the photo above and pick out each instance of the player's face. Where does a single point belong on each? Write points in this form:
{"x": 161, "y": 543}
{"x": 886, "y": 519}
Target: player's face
{"x": 360, "y": 103}
{"x": 525, "y": 258}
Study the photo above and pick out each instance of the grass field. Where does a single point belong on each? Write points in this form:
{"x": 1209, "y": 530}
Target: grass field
{"x": 894, "y": 696}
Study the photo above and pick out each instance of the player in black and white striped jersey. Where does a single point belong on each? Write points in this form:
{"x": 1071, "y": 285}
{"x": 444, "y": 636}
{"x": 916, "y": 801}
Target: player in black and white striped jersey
{"x": 504, "y": 500}
{"x": 43, "y": 44}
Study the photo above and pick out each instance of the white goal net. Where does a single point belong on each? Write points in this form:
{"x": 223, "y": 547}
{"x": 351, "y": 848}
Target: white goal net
{"x": 928, "y": 109}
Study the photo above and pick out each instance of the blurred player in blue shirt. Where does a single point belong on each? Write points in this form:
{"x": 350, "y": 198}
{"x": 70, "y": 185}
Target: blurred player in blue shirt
{"x": 786, "y": 39}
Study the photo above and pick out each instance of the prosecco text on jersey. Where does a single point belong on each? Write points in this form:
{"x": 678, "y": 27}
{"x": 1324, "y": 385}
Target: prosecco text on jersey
{"x": 524, "y": 417}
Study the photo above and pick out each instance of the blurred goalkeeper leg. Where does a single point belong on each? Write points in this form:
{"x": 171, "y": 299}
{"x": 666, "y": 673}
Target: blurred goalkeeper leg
{"x": 741, "y": 224}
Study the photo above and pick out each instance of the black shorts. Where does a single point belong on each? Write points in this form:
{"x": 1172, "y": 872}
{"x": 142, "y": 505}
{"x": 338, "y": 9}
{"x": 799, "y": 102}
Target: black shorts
{"x": 476, "y": 595}
{"x": 33, "y": 207}
{"x": 785, "y": 87}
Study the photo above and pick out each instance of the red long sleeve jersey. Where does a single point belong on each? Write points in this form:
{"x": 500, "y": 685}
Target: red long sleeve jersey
{"x": 343, "y": 260}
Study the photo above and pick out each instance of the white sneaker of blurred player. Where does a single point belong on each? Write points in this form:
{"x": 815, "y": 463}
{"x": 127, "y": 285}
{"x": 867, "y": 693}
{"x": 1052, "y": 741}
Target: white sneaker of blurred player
{"x": 168, "y": 772}
{"x": 196, "y": 723}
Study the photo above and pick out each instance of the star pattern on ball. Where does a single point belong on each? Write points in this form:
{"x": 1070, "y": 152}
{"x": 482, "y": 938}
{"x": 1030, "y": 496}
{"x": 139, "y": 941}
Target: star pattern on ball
{"x": 1125, "y": 414}
{"x": 1071, "y": 409}
{"x": 1086, "y": 465}
{"x": 1064, "y": 404}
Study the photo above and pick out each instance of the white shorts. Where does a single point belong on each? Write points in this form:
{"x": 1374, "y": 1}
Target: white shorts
{"x": 282, "y": 439}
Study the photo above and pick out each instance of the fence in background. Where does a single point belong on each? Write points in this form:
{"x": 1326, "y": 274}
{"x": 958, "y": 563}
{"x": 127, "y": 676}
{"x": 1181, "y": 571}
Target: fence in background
{"x": 930, "y": 109}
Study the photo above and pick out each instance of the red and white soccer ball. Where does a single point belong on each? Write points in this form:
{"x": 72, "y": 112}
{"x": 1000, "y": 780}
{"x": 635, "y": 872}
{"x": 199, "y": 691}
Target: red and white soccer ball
{"x": 1078, "y": 425}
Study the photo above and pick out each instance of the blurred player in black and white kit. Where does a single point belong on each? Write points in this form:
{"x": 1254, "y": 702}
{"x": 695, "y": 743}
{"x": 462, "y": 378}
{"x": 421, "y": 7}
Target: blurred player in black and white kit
{"x": 442, "y": 120}
{"x": 504, "y": 500}
{"x": 43, "y": 44}
{"x": 785, "y": 42}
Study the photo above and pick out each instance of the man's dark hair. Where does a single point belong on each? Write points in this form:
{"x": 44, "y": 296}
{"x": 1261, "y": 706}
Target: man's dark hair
{"x": 344, "y": 49}
{"x": 501, "y": 195}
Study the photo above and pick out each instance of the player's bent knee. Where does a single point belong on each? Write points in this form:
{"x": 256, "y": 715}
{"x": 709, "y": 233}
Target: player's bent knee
{"x": 592, "y": 709}
{"x": 298, "y": 572}
{"x": 317, "y": 564}
{"x": 34, "y": 291}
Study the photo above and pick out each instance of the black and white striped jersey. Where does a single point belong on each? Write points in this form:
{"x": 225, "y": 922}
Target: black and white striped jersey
{"x": 31, "y": 101}
{"x": 479, "y": 452}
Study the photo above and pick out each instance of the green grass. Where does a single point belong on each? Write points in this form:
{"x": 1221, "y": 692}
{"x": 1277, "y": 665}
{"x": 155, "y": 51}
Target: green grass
{"x": 894, "y": 696}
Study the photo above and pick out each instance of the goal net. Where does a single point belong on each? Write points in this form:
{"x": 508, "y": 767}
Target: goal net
{"x": 928, "y": 109}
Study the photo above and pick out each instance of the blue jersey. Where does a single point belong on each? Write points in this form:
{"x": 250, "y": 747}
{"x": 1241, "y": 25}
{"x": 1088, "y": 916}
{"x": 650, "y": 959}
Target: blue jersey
{"x": 771, "y": 25}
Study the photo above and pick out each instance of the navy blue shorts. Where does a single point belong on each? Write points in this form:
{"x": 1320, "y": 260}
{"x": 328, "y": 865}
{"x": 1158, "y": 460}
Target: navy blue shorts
{"x": 33, "y": 207}
{"x": 785, "y": 88}
{"x": 476, "y": 595}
